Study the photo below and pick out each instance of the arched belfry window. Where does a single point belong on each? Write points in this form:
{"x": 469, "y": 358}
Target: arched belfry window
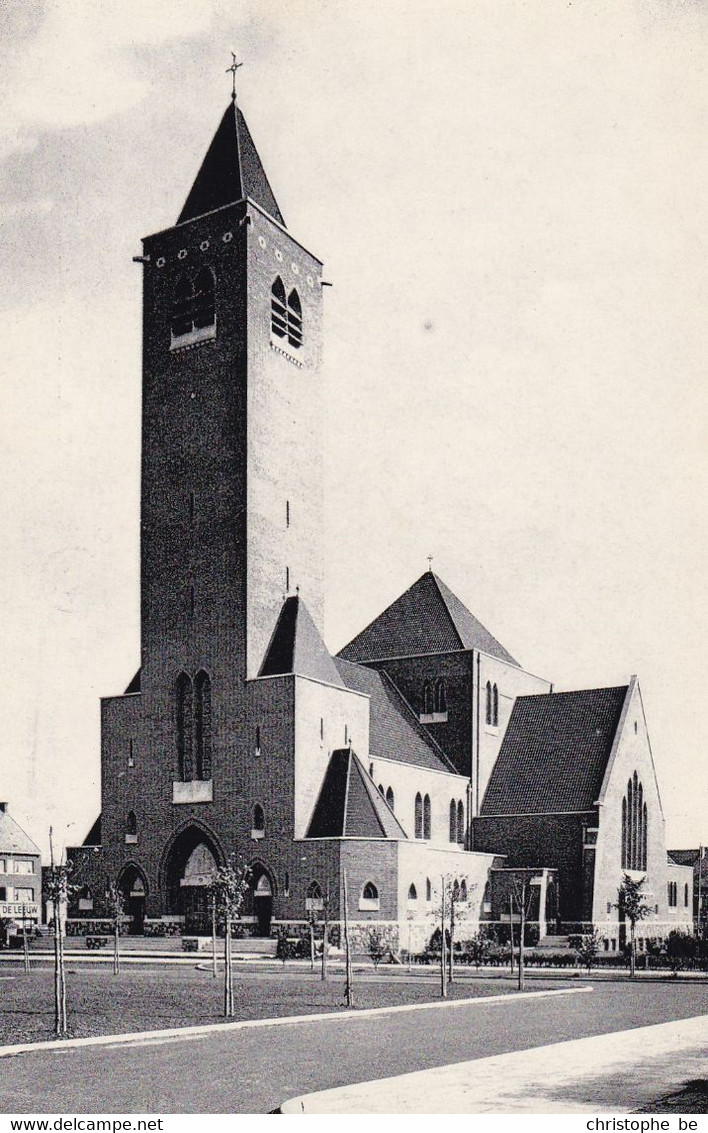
{"x": 258, "y": 818}
{"x": 185, "y": 728}
{"x": 278, "y": 309}
{"x": 419, "y": 815}
{"x": 204, "y": 310}
{"x": 193, "y": 307}
{"x": 294, "y": 320}
{"x": 202, "y": 696}
{"x": 182, "y": 297}
{"x": 634, "y": 826}
{"x": 131, "y": 823}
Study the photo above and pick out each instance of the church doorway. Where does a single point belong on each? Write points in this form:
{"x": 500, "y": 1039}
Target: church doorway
{"x": 131, "y": 884}
{"x": 262, "y": 897}
{"x": 190, "y": 866}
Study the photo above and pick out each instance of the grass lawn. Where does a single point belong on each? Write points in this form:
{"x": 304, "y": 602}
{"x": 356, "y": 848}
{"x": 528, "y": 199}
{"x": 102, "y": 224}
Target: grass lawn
{"x": 151, "y": 998}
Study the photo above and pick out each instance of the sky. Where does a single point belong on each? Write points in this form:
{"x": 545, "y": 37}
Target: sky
{"x": 510, "y": 202}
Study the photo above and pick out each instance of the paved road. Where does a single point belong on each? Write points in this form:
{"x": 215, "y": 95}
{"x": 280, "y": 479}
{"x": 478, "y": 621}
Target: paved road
{"x": 254, "y": 1071}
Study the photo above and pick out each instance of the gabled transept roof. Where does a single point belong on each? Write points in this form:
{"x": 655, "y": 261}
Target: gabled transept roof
{"x": 297, "y": 647}
{"x": 555, "y": 752}
{"x": 349, "y": 805}
{"x": 230, "y": 172}
{"x": 428, "y": 618}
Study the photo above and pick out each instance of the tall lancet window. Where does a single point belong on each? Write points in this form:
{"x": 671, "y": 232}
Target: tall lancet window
{"x": 204, "y": 309}
{"x": 182, "y": 299}
{"x": 278, "y": 309}
{"x": 185, "y": 728}
{"x": 634, "y": 826}
{"x": 294, "y": 320}
{"x": 202, "y": 696}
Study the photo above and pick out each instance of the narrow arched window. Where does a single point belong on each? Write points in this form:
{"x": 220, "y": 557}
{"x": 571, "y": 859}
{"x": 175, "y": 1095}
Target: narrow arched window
{"x": 440, "y": 697}
{"x": 426, "y": 817}
{"x": 381, "y": 791}
{"x": 390, "y": 797}
{"x": 204, "y": 310}
{"x": 487, "y": 898}
{"x": 185, "y": 727}
{"x": 370, "y": 892}
{"x": 131, "y": 823}
{"x": 635, "y": 821}
{"x": 456, "y": 890}
{"x": 427, "y": 699}
{"x": 314, "y": 891}
{"x": 644, "y": 838}
{"x": 488, "y": 714}
{"x": 685, "y": 894}
{"x": 463, "y": 890}
{"x": 202, "y": 696}
{"x": 453, "y": 820}
{"x": 258, "y": 818}
{"x": 461, "y": 823}
{"x": 294, "y": 320}
{"x": 412, "y": 893}
{"x": 428, "y": 890}
{"x": 419, "y": 815}
{"x": 278, "y": 309}
{"x": 495, "y": 706}
{"x": 182, "y": 299}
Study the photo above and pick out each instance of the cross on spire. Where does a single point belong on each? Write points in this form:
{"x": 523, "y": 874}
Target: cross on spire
{"x": 430, "y": 562}
{"x": 232, "y": 71}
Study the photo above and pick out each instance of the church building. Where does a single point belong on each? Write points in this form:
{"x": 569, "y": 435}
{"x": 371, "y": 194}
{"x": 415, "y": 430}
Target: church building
{"x": 424, "y": 752}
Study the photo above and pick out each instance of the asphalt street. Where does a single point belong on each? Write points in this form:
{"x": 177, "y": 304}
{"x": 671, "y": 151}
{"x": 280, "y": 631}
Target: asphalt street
{"x": 255, "y": 1071}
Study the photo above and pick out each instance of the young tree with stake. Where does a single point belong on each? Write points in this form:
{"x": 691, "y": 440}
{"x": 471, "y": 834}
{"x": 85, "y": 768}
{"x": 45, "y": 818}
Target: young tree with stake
{"x": 632, "y": 904}
{"x": 115, "y": 905}
{"x": 229, "y": 886}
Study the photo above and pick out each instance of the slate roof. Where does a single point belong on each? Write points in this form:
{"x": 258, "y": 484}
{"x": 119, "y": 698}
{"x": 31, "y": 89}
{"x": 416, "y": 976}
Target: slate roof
{"x": 134, "y": 685}
{"x": 394, "y": 729}
{"x": 682, "y": 857}
{"x": 231, "y": 171}
{"x": 93, "y": 838}
{"x": 554, "y": 753}
{"x": 428, "y": 618}
{"x": 297, "y": 647}
{"x": 349, "y": 805}
{"x": 13, "y": 839}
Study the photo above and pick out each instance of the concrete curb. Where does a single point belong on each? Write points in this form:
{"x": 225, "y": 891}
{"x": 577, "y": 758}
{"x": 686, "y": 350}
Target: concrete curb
{"x": 178, "y": 1033}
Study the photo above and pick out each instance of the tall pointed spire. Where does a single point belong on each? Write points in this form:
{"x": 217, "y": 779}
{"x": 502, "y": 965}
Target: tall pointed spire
{"x": 230, "y": 172}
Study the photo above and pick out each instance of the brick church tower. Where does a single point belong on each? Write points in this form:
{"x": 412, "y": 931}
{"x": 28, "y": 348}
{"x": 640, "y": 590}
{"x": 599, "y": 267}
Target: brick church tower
{"x": 231, "y": 513}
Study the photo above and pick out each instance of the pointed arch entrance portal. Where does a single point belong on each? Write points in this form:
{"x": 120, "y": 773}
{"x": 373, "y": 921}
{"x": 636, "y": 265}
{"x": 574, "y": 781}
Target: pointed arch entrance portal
{"x": 189, "y": 867}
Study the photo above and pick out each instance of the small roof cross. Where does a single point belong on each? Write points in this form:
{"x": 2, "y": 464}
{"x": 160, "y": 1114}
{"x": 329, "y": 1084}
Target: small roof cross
{"x": 430, "y": 562}
{"x": 232, "y": 71}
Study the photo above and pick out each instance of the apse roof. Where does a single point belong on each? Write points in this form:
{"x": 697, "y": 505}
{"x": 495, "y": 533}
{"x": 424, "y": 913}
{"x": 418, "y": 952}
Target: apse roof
{"x": 230, "y": 172}
{"x": 349, "y": 805}
{"x": 555, "y": 752}
{"x": 297, "y": 647}
{"x": 427, "y": 618}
